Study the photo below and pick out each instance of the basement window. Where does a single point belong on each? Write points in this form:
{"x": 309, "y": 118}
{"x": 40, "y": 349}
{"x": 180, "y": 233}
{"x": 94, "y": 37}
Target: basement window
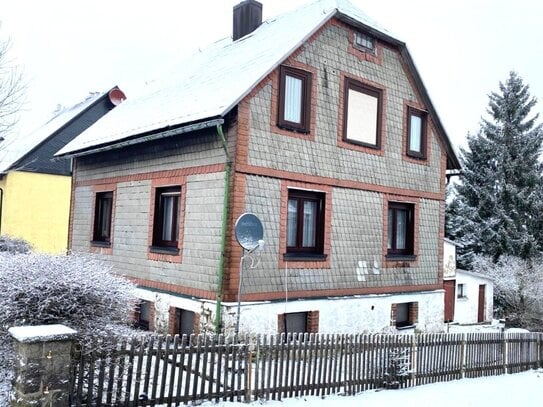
{"x": 405, "y": 314}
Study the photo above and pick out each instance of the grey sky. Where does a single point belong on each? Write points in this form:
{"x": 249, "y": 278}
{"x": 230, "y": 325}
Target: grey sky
{"x": 462, "y": 48}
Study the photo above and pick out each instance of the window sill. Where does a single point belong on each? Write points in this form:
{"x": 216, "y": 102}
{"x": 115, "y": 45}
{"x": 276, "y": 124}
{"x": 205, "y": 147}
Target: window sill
{"x": 362, "y": 144}
{"x": 301, "y": 130}
{"x": 174, "y": 251}
{"x": 304, "y": 257}
{"x": 416, "y": 156}
{"x": 401, "y": 328}
{"x": 99, "y": 243}
{"x": 462, "y": 298}
{"x": 401, "y": 257}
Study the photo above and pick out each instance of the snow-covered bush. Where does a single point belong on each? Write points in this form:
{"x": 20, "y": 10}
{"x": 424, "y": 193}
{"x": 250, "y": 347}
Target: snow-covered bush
{"x": 398, "y": 369}
{"x": 77, "y": 291}
{"x": 14, "y": 245}
{"x": 518, "y": 289}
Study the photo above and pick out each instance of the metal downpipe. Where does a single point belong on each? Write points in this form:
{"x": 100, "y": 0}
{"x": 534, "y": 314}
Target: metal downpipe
{"x": 218, "y": 316}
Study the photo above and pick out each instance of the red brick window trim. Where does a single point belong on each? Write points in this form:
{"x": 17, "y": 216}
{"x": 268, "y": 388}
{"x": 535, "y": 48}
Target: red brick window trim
{"x": 293, "y": 257}
{"x": 306, "y": 129}
{"x": 294, "y": 104}
{"x": 361, "y": 90}
{"x": 183, "y": 322}
{"x": 364, "y": 53}
{"x": 404, "y": 315}
{"x": 298, "y": 322}
{"x": 103, "y": 217}
{"x": 392, "y": 255}
{"x": 416, "y": 133}
{"x": 415, "y": 114}
{"x": 144, "y": 315}
{"x": 171, "y": 192}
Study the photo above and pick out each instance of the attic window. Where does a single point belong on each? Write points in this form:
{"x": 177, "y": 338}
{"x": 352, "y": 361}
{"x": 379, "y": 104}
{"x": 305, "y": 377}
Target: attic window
{"x": 364, "y": 42}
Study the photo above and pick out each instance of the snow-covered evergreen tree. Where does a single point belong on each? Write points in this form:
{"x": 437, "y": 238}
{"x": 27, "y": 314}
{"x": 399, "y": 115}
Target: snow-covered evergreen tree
{"x": 498, "y": 208}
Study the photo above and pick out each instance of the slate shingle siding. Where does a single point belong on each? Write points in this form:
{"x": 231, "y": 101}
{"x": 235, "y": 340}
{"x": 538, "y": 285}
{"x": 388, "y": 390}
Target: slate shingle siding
{"x": 357, "y": 215}
{"x": 131, "y": 171}
{"x": 328, "y": 54}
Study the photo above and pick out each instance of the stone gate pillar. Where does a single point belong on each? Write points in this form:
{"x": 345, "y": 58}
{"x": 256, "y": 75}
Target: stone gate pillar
{"x": 42, "y": 366}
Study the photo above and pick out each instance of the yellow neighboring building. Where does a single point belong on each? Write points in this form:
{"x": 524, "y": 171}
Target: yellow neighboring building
{"x": 36, "y": 207}
{"x": 35, "y": 189}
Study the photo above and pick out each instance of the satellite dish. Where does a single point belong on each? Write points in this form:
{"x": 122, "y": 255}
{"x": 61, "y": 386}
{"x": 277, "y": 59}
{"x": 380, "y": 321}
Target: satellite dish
{"x": 249, "y": 231}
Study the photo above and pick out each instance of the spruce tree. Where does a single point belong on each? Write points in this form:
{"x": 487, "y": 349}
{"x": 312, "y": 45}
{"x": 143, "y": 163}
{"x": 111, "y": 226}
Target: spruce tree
{"x": 498, "y": 207}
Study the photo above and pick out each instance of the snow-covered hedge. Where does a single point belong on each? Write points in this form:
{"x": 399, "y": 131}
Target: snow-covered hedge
{"x": 77, "y": 291}
{"x": 14, "y": 245}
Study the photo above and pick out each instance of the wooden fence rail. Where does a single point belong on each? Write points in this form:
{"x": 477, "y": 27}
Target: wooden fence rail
{"x": 167, "y": 371}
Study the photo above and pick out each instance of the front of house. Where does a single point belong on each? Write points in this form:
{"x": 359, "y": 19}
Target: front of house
{"x": 318, "y": 123}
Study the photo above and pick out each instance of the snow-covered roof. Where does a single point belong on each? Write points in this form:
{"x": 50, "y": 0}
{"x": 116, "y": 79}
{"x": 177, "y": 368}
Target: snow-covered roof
{"x": 42, "y": 333}
{"x": 473, "y": 274}
{"x": 15, "y": 147}
{"x": 211, "y": 82}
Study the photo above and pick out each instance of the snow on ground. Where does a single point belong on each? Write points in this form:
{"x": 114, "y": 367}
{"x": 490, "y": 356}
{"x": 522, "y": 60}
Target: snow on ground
{"x": 520, "y": 389}
{"x": 494, "y": 327}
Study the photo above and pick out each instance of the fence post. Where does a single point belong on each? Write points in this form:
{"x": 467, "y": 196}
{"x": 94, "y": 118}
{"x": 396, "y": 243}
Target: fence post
{"x": 414, "y": 358}
{"x": 42, "y": 366}
{"x": 539, "y": 351}
{"x": 463, "y": 356}
{"x": 505, "y": 354}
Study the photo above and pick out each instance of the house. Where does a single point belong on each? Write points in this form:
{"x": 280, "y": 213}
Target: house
{"x": 315, "y": 121}
{"x": 469, "y": 296}
{"x": 35, "y": 189}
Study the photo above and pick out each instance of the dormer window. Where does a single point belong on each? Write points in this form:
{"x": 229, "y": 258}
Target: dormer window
{"x": 364, "y": 42}
{"x": 294, "y": 99}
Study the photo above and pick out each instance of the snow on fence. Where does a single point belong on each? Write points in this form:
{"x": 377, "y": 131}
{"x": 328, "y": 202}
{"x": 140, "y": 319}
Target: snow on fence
{"x": 165, "y": 370}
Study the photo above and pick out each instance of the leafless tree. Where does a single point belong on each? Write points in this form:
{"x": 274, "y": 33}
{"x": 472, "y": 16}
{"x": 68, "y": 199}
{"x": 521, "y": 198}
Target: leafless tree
{"x": 518, "y": 288}
{"x": 12, "y": 90}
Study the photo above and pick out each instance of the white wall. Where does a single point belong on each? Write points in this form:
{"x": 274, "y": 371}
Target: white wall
{"x": 360, "y": 314}
{"x": 465, "y": 311}
{"x": 347, "y": 314}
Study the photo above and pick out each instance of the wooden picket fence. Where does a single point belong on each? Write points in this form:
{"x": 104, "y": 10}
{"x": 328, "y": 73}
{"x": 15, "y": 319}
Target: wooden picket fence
{"x": 166, "y": 371}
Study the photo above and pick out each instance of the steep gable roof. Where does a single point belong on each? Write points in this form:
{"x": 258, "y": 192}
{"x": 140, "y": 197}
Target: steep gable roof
{"x": 210, "y": 83}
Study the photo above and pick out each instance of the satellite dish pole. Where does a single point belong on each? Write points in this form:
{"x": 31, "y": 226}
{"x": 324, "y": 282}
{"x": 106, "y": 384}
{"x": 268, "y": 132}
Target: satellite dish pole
{"x": 249, "y": 234}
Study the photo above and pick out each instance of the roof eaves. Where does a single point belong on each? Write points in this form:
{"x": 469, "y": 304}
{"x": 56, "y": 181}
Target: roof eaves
{"x": 138, "y": 139}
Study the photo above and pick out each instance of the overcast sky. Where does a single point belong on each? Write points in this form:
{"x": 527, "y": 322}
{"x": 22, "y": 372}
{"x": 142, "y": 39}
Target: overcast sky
{"x": 462, "y": 48}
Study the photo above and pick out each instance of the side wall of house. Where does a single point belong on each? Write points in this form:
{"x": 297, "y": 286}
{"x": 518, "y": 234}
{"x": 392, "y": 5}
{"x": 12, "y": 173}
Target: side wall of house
{"x": 35, "y": 207}
{"x": 196, "y": 163}
{"x": 358, "y": 182}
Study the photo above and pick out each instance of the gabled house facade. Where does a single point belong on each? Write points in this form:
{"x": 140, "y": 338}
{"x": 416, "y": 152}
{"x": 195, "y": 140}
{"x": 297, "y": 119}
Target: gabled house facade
{"x": 315, "y": 121}
{"x": 35, "y": 188}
